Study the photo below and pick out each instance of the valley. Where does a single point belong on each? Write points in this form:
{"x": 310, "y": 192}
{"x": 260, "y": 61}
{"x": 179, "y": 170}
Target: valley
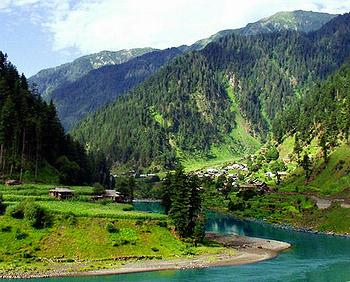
{"x": 230, "y": 153}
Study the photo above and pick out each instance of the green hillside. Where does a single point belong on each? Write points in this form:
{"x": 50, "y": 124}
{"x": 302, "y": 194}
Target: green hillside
{"x": 190, "y": 96}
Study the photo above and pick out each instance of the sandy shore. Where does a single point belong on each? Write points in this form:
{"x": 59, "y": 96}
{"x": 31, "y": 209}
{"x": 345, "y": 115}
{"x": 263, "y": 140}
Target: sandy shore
{"x": 239, "y": 250}
{"x": 246, "y": 250}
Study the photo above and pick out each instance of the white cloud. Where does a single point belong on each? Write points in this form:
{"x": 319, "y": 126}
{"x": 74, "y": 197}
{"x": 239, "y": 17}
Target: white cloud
{"x": 94, "y": 25}
{"x": 8, "y": 4}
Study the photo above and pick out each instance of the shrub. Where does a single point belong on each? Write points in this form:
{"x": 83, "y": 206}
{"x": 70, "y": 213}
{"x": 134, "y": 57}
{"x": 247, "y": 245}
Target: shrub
{"x": 6, "y": 229}
{"x": 111, "y": 228}
{"x": 71, "y": 218}
{"x": 19, "y": 235}
{"x": 105, "y": 202}
{"x": 36, "y": 215}
{"x": 139, "y": 222}
{"x": 272, "y": 154}
{"x": 125, "y": 242}
{"x": 154, "y": 249}
{"x": 33, "y": 213}
{"x": 162, "y": 224}
{"x": 98, "y": 189}
{"x": 17, "y": 211}
{"x": 26, "y": 254}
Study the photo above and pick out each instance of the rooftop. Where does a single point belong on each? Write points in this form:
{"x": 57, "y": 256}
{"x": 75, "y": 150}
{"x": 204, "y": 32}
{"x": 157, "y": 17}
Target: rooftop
{"x": 62, "y": 190}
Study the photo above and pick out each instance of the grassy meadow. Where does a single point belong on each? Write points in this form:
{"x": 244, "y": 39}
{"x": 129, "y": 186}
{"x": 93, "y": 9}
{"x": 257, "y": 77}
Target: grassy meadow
{"x": 82, "y": 235}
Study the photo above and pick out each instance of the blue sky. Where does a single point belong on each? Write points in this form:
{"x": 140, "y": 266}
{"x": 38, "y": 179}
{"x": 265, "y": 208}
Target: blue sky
{"x": 37, "y": 34}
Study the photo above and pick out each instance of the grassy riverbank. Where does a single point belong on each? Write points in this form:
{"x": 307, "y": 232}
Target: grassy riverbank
{"x": 83, "y": 236}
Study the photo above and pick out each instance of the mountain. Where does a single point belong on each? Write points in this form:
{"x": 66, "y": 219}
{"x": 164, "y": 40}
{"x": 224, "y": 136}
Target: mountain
{"x": 198, "y": 102}
{"x": 48, "y": 80}
{"x": 315, "y": 133}
{"x": 304, "y": 21}
{"x": 76, "y": 99}
{"x": 322, "y": 113}
{"x": 72, "y": 87}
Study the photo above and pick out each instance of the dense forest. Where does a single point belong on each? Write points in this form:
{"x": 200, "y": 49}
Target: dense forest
{"x": 32, "y": 140}
{"x": 323, "y": 112}
{"x": 89, "y": 82}
{"x": 185, "y": 107}
{"x": 85, "y": 95}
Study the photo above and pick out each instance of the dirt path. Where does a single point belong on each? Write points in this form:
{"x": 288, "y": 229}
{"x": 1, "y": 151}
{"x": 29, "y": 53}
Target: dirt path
{"x": 322, "y": 203}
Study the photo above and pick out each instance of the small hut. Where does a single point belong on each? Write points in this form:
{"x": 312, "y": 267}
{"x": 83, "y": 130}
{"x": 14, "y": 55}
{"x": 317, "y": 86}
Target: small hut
{"x": 12, "y": 182}
{"x": 114, "y": 196}
{"x": 61, "y": 193}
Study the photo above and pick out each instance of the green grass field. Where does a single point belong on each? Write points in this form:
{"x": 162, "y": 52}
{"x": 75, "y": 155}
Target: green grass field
{"x": 83, "y": 235}
{"x": 86, "y": 209}
{"x": 327, "y": 179}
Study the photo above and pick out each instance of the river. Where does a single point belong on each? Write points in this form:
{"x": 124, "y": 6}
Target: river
{"x": 313, "y": 258}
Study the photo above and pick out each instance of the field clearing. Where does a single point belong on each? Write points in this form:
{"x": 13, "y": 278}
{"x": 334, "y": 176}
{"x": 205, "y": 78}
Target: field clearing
{"x": 86, "y": 209}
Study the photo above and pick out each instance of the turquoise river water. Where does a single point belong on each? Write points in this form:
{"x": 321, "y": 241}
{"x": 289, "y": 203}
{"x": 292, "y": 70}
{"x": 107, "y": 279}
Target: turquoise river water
{"x": 313, "y": 258}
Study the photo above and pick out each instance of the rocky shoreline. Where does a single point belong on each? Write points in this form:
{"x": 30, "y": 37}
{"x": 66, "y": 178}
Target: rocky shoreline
{"x": 239, "y": 250}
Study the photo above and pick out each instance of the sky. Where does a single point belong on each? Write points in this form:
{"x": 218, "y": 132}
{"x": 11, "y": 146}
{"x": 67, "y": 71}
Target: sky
{"x": 38, "y": 34}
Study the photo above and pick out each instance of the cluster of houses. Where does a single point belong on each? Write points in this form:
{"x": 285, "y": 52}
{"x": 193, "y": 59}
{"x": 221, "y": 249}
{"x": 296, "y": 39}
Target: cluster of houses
{"x": 260, "y": 187}
{"x": 279, "y": 173}
{"x": 65, "y": 193}
{"x": 134, "y": 174}
{"x": 223, "y": 171}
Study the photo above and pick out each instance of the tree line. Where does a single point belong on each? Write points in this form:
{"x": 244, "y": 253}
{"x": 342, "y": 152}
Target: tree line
{"x": 32, "y": 139}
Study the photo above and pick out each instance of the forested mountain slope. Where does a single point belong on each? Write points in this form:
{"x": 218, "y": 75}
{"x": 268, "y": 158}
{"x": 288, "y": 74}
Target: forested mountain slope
{"x": 322, "y": 113}
{"x": 185, "y": 106}
{"x": 32, "y": 140}
{"x": 97, "y": 88}
{"x": 48, "y": 80}
{"x": 74, "y": 90}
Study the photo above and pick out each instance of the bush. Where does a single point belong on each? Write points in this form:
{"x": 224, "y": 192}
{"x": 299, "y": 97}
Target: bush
{"x": 162, "y": 224}
{"x": 105, "y": 202}
{"x": 111, "y": 228}
{"x": 6, "y": 229}
{"x": 17, "y": 211}
{"x": 36, "y": 216}
{"x": 98, "y": 189}
{"x": 26, "y": 254}
{"x": 139, "y": 222}
{"x": 272, "y": 154}
{"x": 19, "y": 235}
{"x": 33, "y": 213}
{"x": 71, "y": 218}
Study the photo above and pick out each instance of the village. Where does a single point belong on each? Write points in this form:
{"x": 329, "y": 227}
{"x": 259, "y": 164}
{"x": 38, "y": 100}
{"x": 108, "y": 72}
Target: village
{"x": 235, "y": 176}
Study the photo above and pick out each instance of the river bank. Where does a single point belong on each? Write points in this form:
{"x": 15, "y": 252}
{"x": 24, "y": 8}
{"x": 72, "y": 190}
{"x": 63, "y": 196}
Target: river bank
{"x": 238, "y": 250}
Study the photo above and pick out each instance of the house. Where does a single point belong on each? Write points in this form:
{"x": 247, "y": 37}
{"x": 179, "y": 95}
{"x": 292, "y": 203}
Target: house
{"x": 269, "y": 174}
{"x": 212, "y": 170}
{"x": 12, "y": 182}
{"x": 61, "y": 193}
{"x": 282, "y": 173}
{"x": 256, "y": 185}
{"x": 113, "y": 195}
{"x": 233, "y": 176}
